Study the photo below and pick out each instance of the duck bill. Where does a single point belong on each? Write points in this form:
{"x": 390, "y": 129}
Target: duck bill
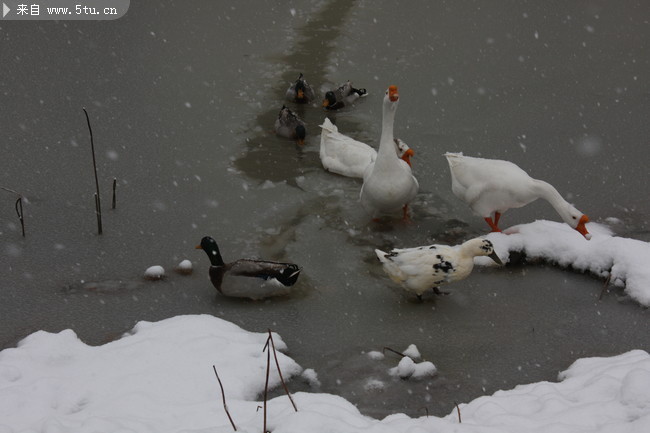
{"x": 407, "y": 156}
{"x": 582, "y": 228}
{"x": 301, "y": 94}
{"x": 496, "y": 258}
{"x": 326, "y": 103}
{"x": 300, "y": 141}
{"x": 198, "y": 247}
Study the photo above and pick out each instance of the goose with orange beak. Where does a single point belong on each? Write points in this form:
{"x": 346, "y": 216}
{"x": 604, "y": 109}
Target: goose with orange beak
{"x": 388, "y": 183}
{"x": 348, "y": 157}
{"x": 492, "y": 186}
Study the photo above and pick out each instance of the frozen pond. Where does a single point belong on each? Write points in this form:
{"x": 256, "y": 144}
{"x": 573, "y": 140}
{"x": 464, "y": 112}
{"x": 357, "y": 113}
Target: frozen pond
{"x": 182, "y": 98}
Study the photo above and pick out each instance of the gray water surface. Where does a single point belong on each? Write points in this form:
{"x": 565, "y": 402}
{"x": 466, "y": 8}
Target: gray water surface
{"x": 182, "y": 97}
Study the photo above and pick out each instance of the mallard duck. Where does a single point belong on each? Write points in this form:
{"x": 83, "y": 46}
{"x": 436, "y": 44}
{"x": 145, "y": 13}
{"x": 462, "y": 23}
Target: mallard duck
{"x": 342, "y": 96}
{"x": 346, "y": 156}
{"x": 388, "y": 184}
{"x": 492, "y": 186}
{"x": 289, "y": 125}
{"x": 424, "y": 268}
{"x": 234, "y": 278}
{"x": 300, "y": 91}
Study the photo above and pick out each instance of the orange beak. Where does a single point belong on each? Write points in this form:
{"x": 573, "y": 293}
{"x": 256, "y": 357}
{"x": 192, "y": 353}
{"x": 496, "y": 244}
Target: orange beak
{"x": 198, "y": 247}
{"x": 582, "y": 229}
{"x": 326, "y": 103}
{"x": 393, "y": 95}
{"x": 407, "y": 156}
{"x": 301, "y": 94}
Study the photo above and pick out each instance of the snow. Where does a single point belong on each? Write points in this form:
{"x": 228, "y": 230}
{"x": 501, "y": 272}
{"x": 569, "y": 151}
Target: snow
{"x": 412, "y": 352}
{"x": 154, "y": 272}
{"x": 184, "y": 267}
{"x": 159, "y": 377}
{"x": 407, "y": 368}
{"x": 623, "y": 260}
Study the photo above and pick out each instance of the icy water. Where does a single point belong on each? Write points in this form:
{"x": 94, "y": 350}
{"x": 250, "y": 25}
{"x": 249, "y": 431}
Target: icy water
{"x": 182, "y": 97}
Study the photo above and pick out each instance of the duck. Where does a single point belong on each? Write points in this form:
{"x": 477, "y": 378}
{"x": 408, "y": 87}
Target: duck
{"x": 248, "y": 278}
{"x": 300, "y": 91}
{"x": 344, "y": 95}
{"x": 388, "y": 183}
{"x": 492, "y": 186}
{"x": 346, "y": 156}
{"x": 424, "y": 268}
{"x": 289, "y": 125}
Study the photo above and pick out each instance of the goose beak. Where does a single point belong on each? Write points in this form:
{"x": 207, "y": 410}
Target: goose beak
{"x": 407, "y": 156}
{"x": 393, "y": 95}
{"x": 582, "y": 229}
{"x": 198, "y": 247}
{"x": 496, "y": 258}
{"x": 301, "y": 94}
{"x": 301, "y": 142}
{"x": 326, "y": 103}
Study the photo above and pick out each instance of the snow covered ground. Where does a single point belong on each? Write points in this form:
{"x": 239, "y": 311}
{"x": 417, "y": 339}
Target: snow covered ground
{"x": 624, "y": 260}
{"x": 160, "y": 378}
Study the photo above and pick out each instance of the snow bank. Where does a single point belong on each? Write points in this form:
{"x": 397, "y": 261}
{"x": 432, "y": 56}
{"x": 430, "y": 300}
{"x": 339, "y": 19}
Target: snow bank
{"x": 159, "y": 378}
{"x": 626, "y": 260}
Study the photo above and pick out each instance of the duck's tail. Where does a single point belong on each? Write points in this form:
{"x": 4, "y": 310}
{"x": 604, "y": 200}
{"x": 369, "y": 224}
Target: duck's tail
{"x": 329, "y": 126}
{"x": 453, "y": 158}
{"x": 381, "y": 255}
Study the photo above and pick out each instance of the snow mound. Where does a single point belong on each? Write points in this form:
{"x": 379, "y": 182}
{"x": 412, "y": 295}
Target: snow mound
{"x": 624, "y": 260}
{"x": 159, "y": 378}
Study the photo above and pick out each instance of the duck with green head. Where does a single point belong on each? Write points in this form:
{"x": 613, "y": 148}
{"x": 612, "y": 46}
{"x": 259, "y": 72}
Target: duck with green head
{"x": 248, "y": 278}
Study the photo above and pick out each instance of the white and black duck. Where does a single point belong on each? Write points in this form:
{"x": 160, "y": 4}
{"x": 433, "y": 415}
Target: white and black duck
{"x": 342, "y": 96}
{"x": 248, "y": 278}
{"x": 428, "y": 267}
{"x": 289, "y": 125}
{"x": 300, "y": 91}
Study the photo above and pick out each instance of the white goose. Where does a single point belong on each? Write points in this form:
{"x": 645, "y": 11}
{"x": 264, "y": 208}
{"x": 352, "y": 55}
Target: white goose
{"x": 492, "y": 186}
{"x": 424, "y": 268}
{"x": 388, "y": 184}
{"x": 346, "y": 156}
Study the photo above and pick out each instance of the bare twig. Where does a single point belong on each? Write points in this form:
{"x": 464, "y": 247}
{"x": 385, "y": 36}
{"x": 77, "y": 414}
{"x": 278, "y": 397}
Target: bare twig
{"x": 394, "y": 351}
{"x": 114, "y": 195}
{"x": 426, "y": 410}
{"x": 277, "y": 364}
{"x": 19, "y": 207}
{"x": 98, "y": 206}
{"x": 460, "y": 421}
{"x": 19, "y": 212}
{"x": 223, "y": 396}
{"x": 266, "y": 384}
{"x": 11, "y": 190}
{"x": 602, "y": 292}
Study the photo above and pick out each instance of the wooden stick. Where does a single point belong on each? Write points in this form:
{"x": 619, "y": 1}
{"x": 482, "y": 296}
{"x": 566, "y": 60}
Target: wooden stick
{"x": 98, "y": 211}
{"x": 266, "y": 384}
{"x": 394, "y": 351}
{"x": 98, "y": 206}
{"x": 19, "y": 211}
{"x": 277, "y": 364}
{"x": 223, "y": 396}
{"x": 114, "y": 187}
{"x": 602, "y": 292}
{"x": 458, "y": 410}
